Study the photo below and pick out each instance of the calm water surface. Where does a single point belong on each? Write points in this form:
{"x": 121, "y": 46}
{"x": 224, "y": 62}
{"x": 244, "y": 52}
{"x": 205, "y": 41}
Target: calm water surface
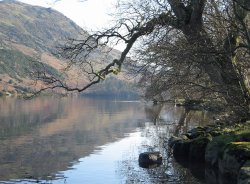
{"x": 78, "y": 140}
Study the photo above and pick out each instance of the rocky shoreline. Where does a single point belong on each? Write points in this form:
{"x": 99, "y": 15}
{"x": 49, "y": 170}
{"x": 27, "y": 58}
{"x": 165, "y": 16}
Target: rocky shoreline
{"x": 223, "y": 148}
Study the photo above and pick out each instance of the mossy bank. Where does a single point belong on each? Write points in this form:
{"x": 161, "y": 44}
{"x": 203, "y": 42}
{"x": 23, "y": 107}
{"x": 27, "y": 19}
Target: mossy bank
{"x": 224, "y": 149}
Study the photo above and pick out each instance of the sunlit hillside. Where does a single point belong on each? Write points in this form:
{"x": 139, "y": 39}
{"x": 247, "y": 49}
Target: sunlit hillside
{"x": 32, "y": 34}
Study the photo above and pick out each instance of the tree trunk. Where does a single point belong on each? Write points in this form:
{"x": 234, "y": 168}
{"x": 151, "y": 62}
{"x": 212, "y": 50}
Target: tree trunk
{"x": 220, "y": 69}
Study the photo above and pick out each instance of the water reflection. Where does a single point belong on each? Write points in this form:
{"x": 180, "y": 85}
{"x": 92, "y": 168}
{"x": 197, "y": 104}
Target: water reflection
{"x": 164, "y": 121}
{"x": 43, "y": 136}
{"x": 77, "y": 140}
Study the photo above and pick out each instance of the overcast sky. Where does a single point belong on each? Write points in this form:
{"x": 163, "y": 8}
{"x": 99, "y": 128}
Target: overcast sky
{"x": 89, "y": 14}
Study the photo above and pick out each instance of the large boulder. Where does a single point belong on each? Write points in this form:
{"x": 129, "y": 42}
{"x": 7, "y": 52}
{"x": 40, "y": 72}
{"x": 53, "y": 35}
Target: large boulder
{"x": 211, "y": 175}
{"x": 234, "y": 156}
{"x": 150, "y": 159}
{"x": 190, "y": 149}
{"x": 196, "y": 132}
{"x": 215, "y": 149}
{"x": 181, "y": 149}
{"x": 226, "y": 150}
{"x": 198, "y": 147}
{"x": 244, "y": 174}
{"x": 173, "y": 140}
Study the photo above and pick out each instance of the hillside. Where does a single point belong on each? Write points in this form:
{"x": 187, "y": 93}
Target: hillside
{"x": 39, "y": 28}
{"x": 31, "y": 34}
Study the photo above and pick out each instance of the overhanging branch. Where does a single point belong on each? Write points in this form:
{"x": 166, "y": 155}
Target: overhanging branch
{"x": 83, "y": 48}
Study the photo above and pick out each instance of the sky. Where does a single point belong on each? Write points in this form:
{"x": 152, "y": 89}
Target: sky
{"x": 88, "y": 14}
{"x": 91, "y": 15}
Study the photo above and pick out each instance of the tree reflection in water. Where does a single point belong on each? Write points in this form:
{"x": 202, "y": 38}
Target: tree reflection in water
{"x": 163, "y": 122}
{"x": 42, "y": 137}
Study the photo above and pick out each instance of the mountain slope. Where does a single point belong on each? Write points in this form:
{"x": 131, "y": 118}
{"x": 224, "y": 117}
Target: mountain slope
{"x": 31, "y": 34}
{"x": 35, "y": 27}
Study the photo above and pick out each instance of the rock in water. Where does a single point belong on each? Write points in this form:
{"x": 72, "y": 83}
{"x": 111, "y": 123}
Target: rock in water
{"x": 150, "y": 159}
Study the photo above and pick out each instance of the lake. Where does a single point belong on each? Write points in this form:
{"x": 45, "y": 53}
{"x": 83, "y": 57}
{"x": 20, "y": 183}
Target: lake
{"x": 81, "y": 140}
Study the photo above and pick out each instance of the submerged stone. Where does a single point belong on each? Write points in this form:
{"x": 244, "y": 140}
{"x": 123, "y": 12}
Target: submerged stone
{"x": 149, "y": 166}
{"x": 150, "y": 159}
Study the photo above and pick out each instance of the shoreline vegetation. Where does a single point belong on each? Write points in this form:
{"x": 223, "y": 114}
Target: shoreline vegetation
{"x": 223, "y": 148}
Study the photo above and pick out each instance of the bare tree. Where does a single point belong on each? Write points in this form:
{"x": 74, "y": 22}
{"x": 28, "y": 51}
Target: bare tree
{"x": 193, "y": 44}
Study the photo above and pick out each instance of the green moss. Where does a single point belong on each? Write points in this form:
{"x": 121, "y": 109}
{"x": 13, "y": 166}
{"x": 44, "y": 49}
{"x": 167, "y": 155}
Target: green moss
{"x": 239, "y": 149}
{"x": 216, "y": 133}
{"x": 235, "y": 133}
{"x": 234, "y": 156}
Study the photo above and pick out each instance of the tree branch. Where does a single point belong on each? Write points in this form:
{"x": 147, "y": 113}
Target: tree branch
{"x": 76, "y": 50}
